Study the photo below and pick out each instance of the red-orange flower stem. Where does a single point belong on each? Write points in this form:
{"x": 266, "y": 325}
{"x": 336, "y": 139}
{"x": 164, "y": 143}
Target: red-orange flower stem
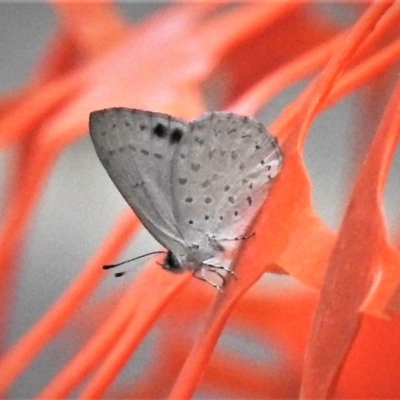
{"x": 21, "y": 354}
{"x": 118, "y": 337}
{"x": 167, "y": 286}
{"x": 389, "y": 56}
{"x": 353, "y": 264}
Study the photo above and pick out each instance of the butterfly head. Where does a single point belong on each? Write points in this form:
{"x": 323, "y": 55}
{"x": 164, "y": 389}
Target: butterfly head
{"x": 171, "y": 263}
{"x": 192, "y": 260}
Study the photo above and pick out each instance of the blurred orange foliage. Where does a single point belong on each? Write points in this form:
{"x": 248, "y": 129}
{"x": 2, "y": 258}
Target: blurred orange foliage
{"x": 342, "y": 342}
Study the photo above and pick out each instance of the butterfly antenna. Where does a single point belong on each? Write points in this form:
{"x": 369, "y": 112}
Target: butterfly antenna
{"x": 118, "y": 274}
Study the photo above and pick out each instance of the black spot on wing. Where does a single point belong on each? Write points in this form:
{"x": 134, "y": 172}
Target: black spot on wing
{"x": 195, "y": 167}
{"x": 205, "y": 183}
{"x": 160, "y": 130}
{"x": 176, "y": 136}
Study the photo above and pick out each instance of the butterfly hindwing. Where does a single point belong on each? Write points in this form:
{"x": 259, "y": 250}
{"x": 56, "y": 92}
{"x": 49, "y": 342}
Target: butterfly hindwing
{"x": 222, "y": 175}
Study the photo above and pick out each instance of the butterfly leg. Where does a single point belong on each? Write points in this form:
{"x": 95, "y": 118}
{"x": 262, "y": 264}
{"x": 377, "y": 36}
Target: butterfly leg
{"x": 214, "y": 264}
{"x": 214, "y": 270}
{"x": 242, "y": 237}
{"x": 203, "y": 277}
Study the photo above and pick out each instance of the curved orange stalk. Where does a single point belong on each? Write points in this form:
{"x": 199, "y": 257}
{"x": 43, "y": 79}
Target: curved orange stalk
{"x": 18, "y": 357}
{"x": 362, "y": 375}
{"x": 353, "y": 263}
{"x": 92, "y": 27}
{"x": 290, "y": 72}
{"x": 145, "y": 315}
{"x": 254, "y": 18}
{"x": 120, "y": 332}
{"x": 280, "y": 305}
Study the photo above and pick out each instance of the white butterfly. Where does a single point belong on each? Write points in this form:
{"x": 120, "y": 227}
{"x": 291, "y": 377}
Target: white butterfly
{"x": 196, "y": 186}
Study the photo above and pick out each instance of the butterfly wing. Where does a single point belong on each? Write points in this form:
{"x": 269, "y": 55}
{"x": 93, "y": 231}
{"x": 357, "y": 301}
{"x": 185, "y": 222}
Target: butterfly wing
{"x": 222, "y": 174}
{"x": 136, "y": 148}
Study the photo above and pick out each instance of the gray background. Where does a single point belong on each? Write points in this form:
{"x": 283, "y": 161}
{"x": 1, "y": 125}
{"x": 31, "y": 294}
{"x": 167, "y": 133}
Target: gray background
{"x": 80, "y": 204}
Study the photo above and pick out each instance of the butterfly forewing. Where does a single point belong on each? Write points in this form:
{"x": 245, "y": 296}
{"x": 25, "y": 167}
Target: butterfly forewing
{"x": 137, "y": 148}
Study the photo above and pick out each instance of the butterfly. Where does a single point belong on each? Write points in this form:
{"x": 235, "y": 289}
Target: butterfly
{"x": 196, "y": 186}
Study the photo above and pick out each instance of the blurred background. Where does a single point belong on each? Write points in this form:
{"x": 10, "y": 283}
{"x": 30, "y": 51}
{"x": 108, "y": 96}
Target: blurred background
{"x": 80, "y": 204}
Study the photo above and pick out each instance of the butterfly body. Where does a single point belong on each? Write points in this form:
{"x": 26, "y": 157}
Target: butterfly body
{"x": 194, "y": 185}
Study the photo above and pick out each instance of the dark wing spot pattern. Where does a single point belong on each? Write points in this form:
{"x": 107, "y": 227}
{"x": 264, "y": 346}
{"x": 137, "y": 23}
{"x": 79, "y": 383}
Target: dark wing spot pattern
{"x": 160, "y": 130}
{"x": 176, "y": 136}
{"x": 240, "y": 153}
{"x": 182, "y": 181}
{"x": 195, "y": 167}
